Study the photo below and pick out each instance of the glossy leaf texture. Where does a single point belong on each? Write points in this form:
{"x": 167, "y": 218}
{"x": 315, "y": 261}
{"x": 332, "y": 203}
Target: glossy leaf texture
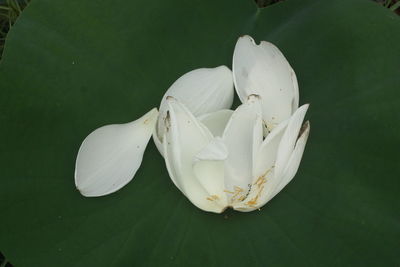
{"x": 72, "y": 66}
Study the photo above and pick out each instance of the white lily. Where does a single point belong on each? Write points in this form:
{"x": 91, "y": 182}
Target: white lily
{"x": 263, "y": 70}
{"x": 237, "y": 169}
{"x": 202, "y": 91}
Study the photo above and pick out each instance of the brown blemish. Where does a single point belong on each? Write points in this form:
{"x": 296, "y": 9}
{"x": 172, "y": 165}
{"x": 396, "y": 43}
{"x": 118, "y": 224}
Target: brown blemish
{"x": 167, "y": 121}
{"x": 303, "y": 128}
{"x": 253, "y": 95}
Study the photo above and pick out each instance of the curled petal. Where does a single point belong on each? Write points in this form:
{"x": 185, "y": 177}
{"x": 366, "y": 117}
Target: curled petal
{"x": 267, "y": 152}
{"x": 158, "y": 143}
{"x": 215, "y": 122}
{"x": 277, "y": 161}
{"x": 239, "y": 138}
{"x": 292, "y": 145}
{"x": 294, "y": 160}
{"x": 185, "y": 137}
{"x": 201, "y": 91}
{"x": 110, "y": 156}
{"x": 289, "y": 139}
{"x": 263, "y": 172}
{"x": 263, "y": 70}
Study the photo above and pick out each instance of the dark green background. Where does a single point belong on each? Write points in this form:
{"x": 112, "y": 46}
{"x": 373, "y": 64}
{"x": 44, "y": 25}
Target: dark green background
{"x": 72, "y": 66}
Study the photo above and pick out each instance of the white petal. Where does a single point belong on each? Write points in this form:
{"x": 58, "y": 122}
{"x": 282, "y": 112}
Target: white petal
{"x": 295, "y": 103}
{"x": 215, "y": 150}
{"x": 239, "y": 139}
{"x": 294, "y": 160}
{"x": 289, "y": 139}
{"x": 110, "y": 156}
{"x": 216, "y": 121}
{"x": 258, "y": 134}
{"x": 263, "y": 70}
{"x": 263, "y": 176}
{"x": 158, "y": 143}
{"x": 185, "y": 138}
{"x": 208, "y": 167}
{"x": 201, "y": 91}
{"x": 169, "y": 158}
{"x": 267, "y": 152}
{"x": 210, "y": 174}
{"x": 290, "y": 151}
{"x": 282, "y": 147}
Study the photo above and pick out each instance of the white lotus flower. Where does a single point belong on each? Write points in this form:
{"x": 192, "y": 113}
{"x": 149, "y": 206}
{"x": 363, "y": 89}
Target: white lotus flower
{"x": 263, "y": 70}
{"x": 217, "y": 157}
{"x": 235, "y": 167}
{"x": 202, "y": 91}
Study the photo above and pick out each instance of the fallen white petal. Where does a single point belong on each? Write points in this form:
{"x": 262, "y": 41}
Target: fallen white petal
{"x": 263, "y": 70}
{"x": 110, "y": 156}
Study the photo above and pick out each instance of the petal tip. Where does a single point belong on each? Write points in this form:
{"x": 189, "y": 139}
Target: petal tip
{"x": 248, "y": 38}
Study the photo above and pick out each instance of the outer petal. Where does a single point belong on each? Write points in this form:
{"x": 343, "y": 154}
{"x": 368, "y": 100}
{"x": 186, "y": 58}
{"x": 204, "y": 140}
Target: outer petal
{"x": 216, "y": 121}
{"x": 185, "y": 138}
{"x": 263, "y": 173}
{"x": 110, "y": 156}
{"x": 289, "y": 139}
{"x": 262, "y": 69}
{"x": 294, "y": 160}
{"x": 284, "y": 172}
{"x": 158, "y": 143}
{"x": 284, "y": 145}
{"x": 239, "y": 139}
{"x": 266, "y": 154}
{"x": 201, "y": 91}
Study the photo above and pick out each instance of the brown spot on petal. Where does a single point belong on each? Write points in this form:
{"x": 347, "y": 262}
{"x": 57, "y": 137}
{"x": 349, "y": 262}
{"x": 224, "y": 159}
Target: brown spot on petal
{"x": 167, "y": 121}
{"x": 303, "y": 128}
{"x": 253, "y": 96}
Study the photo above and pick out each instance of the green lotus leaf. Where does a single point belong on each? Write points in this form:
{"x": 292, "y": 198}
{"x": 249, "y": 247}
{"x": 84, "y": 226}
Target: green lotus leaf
{"x": 72, "y": 66}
